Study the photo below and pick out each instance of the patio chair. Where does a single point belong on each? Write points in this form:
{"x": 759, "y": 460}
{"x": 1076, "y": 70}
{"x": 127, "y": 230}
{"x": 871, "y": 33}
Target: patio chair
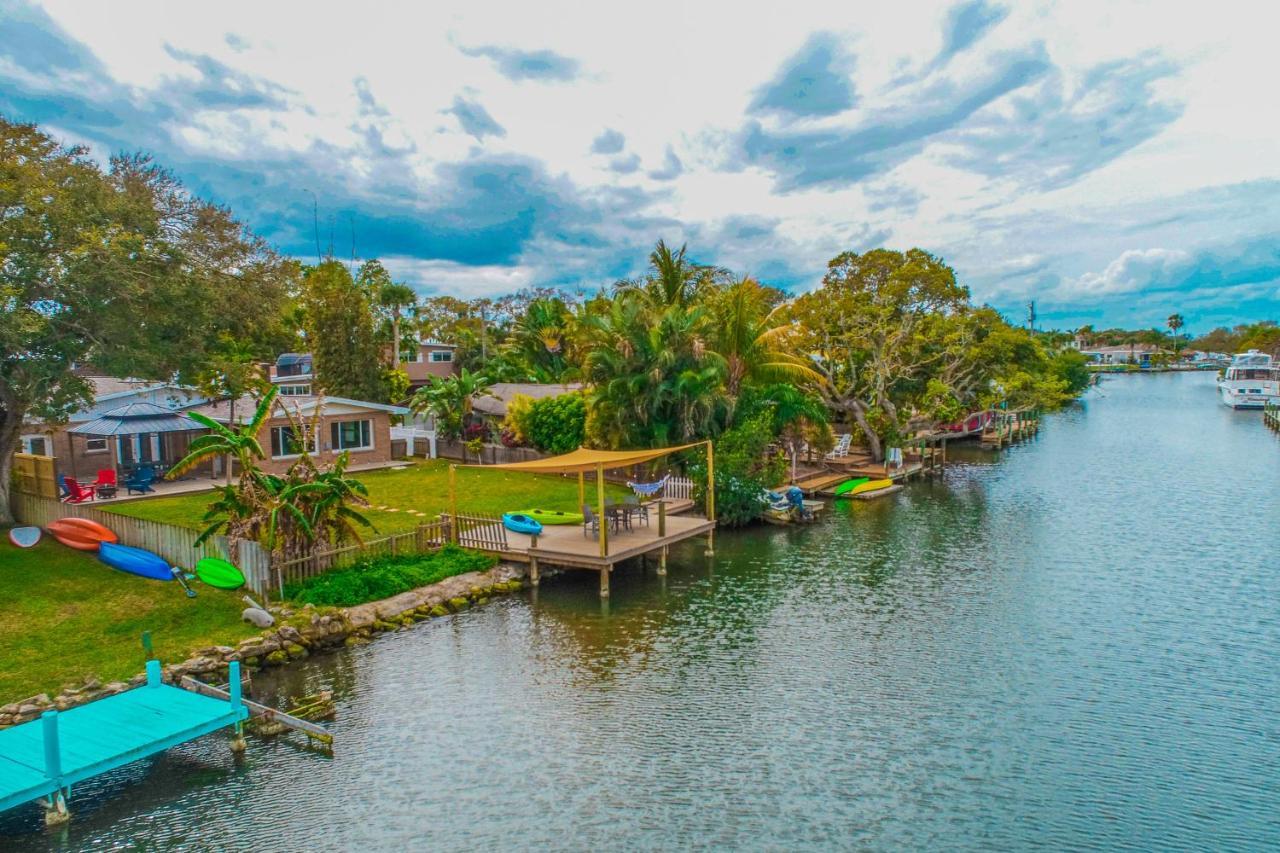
{"x": 106, "y": 484}
{"x": 590, "y": 522}
{"x": 841, "y": 450}
{"x": 76, "y": 493}
{"x": 140, "y": 481}
{"x": 634, "y": 507}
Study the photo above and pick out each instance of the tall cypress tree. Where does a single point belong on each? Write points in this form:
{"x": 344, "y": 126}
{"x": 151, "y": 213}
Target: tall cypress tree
{"x": 347, "y": 359}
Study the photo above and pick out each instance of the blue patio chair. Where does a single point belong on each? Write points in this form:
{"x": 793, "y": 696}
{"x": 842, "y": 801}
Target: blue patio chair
{"x": 140, "y": 481}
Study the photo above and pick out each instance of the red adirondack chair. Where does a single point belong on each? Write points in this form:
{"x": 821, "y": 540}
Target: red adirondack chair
{"x": 76, "y": 493}
{"x": 106, "y": 477}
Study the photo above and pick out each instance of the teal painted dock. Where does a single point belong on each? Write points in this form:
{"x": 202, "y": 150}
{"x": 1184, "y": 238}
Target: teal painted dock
{"x": 46, "y": 757}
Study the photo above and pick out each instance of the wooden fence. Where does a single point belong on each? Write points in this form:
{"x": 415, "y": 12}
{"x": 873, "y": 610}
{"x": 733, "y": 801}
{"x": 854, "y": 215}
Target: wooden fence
{"x": 423, "y": 538}
{"x": 177, "y": 545}
{"x": 34, "y": 475}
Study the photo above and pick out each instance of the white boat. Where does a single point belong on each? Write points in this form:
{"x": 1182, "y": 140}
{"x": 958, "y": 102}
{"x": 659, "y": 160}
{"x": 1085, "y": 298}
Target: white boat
{"x": 1250, "y": 381}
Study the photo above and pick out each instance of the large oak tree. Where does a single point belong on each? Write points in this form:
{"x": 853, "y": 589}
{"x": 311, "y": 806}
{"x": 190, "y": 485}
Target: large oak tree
{"x": 120, "y": 270}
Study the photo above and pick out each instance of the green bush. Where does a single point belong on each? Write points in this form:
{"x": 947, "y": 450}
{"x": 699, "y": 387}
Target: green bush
{"x": 383, "y": 577}
{"x": 557, "y": 424}
{"x": 744, "y": 469}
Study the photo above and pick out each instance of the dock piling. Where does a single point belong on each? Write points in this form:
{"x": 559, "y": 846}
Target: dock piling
{"x": 236, "y": 696}
{"x": 153, "y": 673}
{"x": 56, "y": 811}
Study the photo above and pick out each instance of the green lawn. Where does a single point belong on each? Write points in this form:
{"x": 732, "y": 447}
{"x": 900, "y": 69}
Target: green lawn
{"x": 64, "y": 615}
{"x": 422, "y": 486}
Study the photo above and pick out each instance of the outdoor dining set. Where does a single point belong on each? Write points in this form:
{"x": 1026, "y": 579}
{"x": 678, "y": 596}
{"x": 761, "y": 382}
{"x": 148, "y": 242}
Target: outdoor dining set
{"x": 618, "y": 516}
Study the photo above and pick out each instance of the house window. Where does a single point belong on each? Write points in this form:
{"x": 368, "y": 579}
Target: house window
{"x": 351, "y": 435}
{"x": 95, "y": 445}
{"x": 442, "y": 355}
{"x": 37, "y": 445}
{"x": 411, "y": 356}
{"x": 286, "y": 442}
{"x": 295, "y": 390}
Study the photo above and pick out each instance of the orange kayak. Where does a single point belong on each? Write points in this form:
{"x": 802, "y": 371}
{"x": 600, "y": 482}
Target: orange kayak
{"x": 80, "y": 533}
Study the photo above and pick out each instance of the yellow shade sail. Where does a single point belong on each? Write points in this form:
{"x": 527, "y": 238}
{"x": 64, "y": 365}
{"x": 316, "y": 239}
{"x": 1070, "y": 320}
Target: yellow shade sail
{"x": 589, "y": 460}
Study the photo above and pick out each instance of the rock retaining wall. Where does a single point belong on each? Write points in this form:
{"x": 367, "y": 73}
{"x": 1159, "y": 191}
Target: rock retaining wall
{"x": 297, "y": 634}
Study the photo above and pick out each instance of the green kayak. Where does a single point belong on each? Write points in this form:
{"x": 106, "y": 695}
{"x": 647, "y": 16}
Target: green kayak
{"x": 219, "y": 573}
{"x": 551, "y": 516}
{"x": 848, "y": 486}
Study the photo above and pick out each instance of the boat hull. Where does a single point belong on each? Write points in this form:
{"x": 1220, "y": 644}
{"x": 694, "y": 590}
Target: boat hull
{"x": 80, "y": 533}
{"x": 1242, "y": 398}
{"x": 219, "y": 573}
{"x": 135, "y": 561}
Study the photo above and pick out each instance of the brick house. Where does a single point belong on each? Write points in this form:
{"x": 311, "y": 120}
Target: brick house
{"x": 362, "y": 429}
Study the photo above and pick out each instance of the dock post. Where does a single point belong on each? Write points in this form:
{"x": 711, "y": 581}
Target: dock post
{"x": 662, "y": 517}
{"x": 533, "y": 560}
{"x": 153, "y": 673}
{"x": 238, "y": 743}
{"x": 56, "y": 812}
{"x": 662, "y": 560}
{"x": 604, "y": 582}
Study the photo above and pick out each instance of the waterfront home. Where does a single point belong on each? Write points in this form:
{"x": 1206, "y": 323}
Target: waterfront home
{"x": 361, "y": 428}
{"x": 81, "y": 452}
{"x": 133, "y": 424}
{"x": 1142, "y": 355}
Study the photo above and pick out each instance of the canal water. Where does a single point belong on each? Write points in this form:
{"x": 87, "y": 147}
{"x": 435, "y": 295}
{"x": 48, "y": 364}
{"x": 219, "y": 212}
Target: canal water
{"x": 1072, "y": 644}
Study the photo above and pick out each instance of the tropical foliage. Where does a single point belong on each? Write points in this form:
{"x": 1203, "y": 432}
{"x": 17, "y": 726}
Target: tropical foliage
{"x": 310, "y": 506}
{"x": 449, "y": 400}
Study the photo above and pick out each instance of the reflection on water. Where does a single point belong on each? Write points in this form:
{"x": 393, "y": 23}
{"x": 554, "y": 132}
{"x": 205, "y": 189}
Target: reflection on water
{"x": 1070, "y": 644}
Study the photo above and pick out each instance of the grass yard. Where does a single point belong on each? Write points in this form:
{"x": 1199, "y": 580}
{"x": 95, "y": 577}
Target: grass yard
{"x": 64, "y": 615}
{"x": 422, "y": 487}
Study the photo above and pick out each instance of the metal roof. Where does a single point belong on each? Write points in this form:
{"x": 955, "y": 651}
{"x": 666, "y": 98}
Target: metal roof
{"x": 136, "y": 418}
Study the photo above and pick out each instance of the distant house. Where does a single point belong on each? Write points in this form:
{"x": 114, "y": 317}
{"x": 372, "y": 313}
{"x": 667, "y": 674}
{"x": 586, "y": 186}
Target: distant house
{"x": 430, "y": 359}
{"x": 294, "y": 373}
{"x": 1139, "y": 354}
{"x": 500, "y": 394}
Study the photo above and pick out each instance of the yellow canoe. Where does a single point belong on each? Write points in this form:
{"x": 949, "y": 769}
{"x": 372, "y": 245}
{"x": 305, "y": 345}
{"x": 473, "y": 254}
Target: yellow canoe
{"x": 870, "y": 486}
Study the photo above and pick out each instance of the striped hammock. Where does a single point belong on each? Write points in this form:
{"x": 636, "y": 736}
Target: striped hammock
{"x": 648, "y": 490}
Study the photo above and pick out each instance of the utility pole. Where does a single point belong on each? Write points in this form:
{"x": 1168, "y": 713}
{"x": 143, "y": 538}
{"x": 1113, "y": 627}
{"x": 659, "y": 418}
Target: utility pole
{"x": 1031, "y": 315}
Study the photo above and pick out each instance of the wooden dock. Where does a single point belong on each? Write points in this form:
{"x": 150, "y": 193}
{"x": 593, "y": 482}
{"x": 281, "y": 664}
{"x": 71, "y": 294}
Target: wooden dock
{"x": 570, "y": 546}
{"x": 1271, "y": 416}
{"x": 44, "y": 758}
{"x": 1010, "y": 427}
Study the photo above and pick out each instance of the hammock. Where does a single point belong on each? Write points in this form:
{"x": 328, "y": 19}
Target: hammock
{"x": 648, "y": 490}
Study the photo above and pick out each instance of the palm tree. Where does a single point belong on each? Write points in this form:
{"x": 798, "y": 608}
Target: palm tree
{"x": 749, "y": 337}
{"x": 449, "y": 400}
{"x": 1175, "y": 324}
{"x": 539, "y": 339}
{"x": 395, "y": 298}
{"x": 240, "y": 443}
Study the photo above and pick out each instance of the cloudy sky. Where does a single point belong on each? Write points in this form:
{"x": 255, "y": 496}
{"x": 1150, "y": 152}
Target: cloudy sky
{"x": 1114, "y": 161}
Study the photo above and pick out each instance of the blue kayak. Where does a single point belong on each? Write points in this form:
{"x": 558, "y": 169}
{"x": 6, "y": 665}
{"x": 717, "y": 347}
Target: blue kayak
{"x": 518, "y": 522}
{"x": 135, "y": 561}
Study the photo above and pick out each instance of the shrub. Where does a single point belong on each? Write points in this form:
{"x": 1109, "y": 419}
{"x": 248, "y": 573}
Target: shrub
{"x": 515, "y": 426}
{"x": 744, "y": 469}
{"x": 383, "y": 577}
{"x": 557, "y": 424}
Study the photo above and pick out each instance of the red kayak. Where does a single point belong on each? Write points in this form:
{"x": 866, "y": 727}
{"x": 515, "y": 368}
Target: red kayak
{"x": 80, "y": 533}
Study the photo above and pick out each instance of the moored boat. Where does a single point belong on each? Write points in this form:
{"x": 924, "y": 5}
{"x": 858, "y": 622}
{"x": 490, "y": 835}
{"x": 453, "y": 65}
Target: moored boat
{"x": 1251, "y": 381}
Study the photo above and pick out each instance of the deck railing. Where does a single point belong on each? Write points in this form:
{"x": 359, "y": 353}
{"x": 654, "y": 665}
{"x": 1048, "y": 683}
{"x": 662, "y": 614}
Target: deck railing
{"x": 678, "y": 488}
{"x": 483, "y": 532}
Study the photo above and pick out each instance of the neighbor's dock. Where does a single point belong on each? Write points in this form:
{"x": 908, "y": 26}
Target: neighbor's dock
{"x": 45, "y": 758}
{"x": 1271, "y": 416}
{"x": 1008, "y": 427}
